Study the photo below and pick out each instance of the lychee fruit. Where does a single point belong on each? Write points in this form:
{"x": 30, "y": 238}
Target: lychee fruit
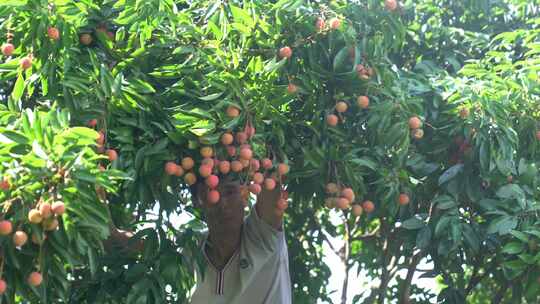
{"x": 332, "y": 120}
{"x": 5, "y": 227}
{"x": 7, "y": 49}
{"x": 35, "y": 279}
{"x": 285, "y": 52}
{"x": 20, "y": 238}
{"x": 58, "y": 207}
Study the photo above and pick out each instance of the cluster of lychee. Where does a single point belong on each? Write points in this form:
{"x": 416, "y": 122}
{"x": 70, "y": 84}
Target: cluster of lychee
{"x": 415, "y": 125}
{"x": 344, "y": 197}
{"x": 112, "y": 155}
{"x": 44, "y": 214}
{"x": 342, "y": 107}
{"x": 236, "y": 157}
{"x": 26, "y": 62}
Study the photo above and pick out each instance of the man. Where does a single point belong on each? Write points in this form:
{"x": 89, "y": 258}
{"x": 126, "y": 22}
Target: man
{"x": 247, "y": 259}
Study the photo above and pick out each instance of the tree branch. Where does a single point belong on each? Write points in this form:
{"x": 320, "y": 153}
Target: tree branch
{"x": 408, "y": 279}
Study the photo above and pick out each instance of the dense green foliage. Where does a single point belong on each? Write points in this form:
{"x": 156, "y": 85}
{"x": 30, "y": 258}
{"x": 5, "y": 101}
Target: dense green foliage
{"x": 158, "y": 77}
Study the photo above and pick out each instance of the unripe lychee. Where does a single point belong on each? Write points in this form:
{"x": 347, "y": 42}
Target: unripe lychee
{"x": 269, "y": 184}
{"x": 266, "y": 163}
{"x": 415, "y": 122}
{"x": 35, "y": 279}
{"x": 357, "y": 210}
{"x": 5, "y": 227}
{"x": 285, "y": 52}
{"x": 190, "y": 179}
{"x": 236, "y": 166}
{"x": 20, "y": 238}
{"x": 26, "y": 63}
{"x": 332, "y": 120}
{"x": 227, "y": 139}
{"x": 187, "y": 163}
{"x": 403, "y": 199}
{"x": 7, "y": 49}
{"x": 363, "y": 102}
{"x": 368, "y": 206}
{"x": 34, "y": 216}
{"x": 58, "y": 208}
{"x": 45, "y": 210}
{"x": 335, "y": 23}
{"x": 212, "y": 181}
{"x": 85, "y": 39}
{"x": 255, "y": 188}
{"x": 53, "y": 33}
{"x": 207, "y": 152}
{"x": 170, "y": 168}
{"x": 213, "y": 197}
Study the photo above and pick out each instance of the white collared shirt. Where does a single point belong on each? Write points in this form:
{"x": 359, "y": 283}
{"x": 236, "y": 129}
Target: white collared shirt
{"x": 257, "y": 273}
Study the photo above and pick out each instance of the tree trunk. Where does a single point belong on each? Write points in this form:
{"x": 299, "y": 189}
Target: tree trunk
{"x": 346, "y": 263}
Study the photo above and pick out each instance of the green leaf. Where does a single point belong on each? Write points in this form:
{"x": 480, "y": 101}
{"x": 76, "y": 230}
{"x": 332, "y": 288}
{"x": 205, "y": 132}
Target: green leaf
{"x": 502, "y": 225}
{"x": 423, "y": 238}
{"x": 513, "y": 248}
{"x": 413, "y": 223}
{"x": 14, "y": 136}
{"x": 211, "y": 97}
{"x": 444, "y": 202}
{"x": 510, "y": 191}
{"x": 18, "y": 89}
{"x": 450, "y": 173}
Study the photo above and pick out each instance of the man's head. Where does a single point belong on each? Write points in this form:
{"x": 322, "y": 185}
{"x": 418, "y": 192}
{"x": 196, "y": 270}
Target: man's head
{"x": 228, "y": 212}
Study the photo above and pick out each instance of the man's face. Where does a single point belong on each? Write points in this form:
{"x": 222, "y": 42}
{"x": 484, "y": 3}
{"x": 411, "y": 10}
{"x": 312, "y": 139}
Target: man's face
{"x": 229, "y": 209}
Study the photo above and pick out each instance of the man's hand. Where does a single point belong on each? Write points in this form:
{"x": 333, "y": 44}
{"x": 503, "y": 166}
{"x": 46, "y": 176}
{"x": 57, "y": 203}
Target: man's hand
{"x": 267, "y": 208}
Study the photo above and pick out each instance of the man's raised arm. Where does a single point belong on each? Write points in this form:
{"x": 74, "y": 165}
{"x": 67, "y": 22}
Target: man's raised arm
{"x": 267, "y": 207}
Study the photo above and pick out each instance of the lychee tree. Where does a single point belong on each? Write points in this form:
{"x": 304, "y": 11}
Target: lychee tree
{"x": 112, "y": 109}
